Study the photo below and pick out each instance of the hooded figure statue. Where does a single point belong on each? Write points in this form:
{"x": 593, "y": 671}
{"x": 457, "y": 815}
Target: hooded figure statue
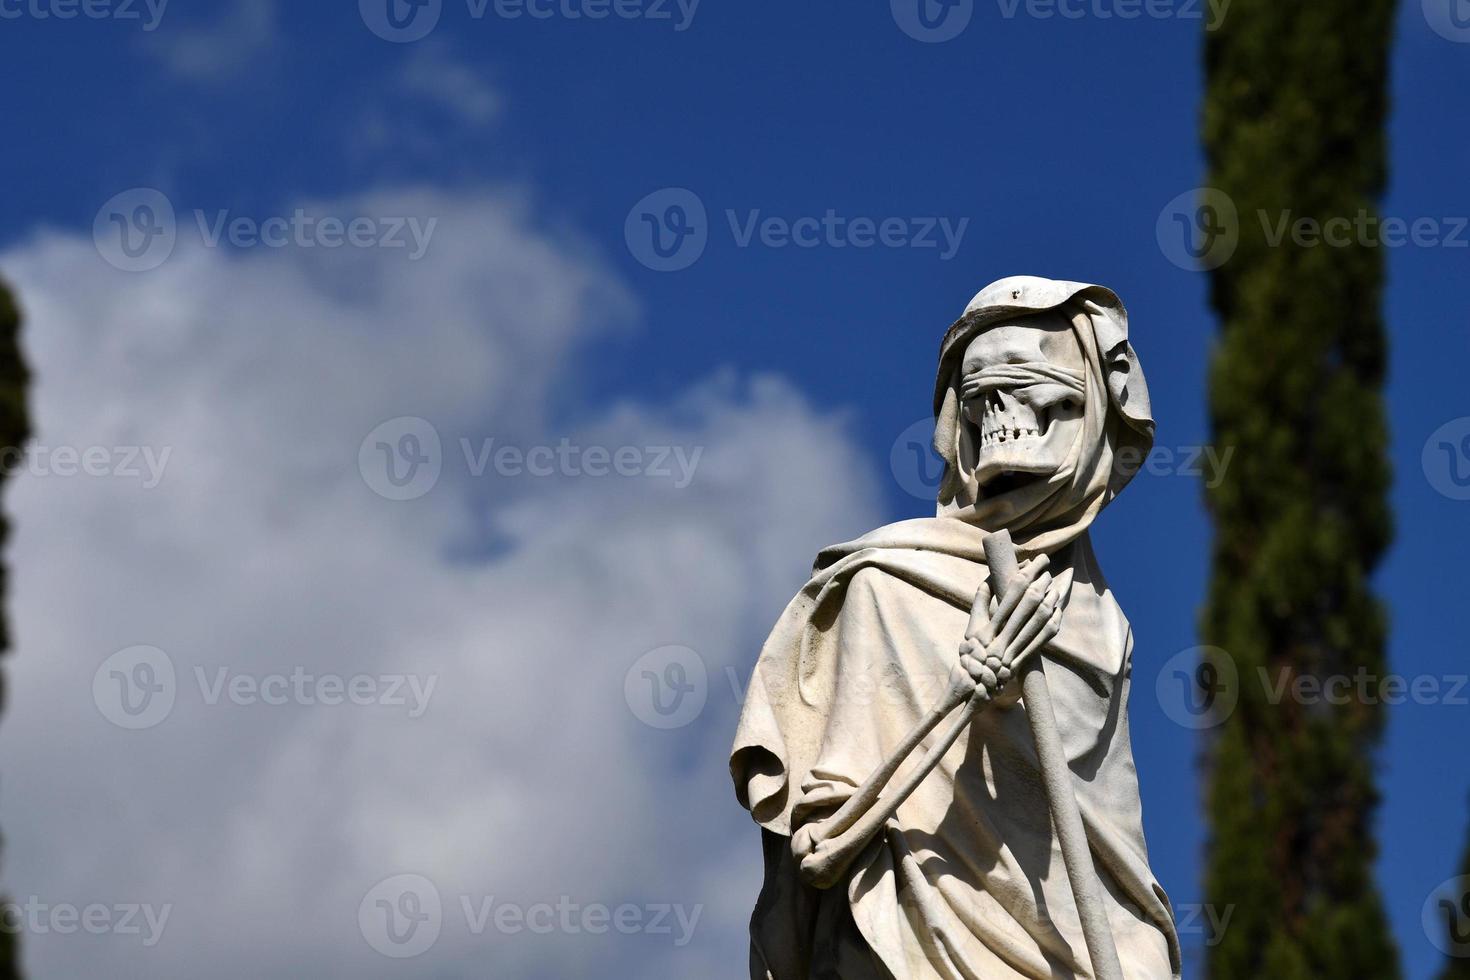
{"x": 1042, "y": 415}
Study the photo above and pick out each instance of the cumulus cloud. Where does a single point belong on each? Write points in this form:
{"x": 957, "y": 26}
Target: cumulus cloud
{"x": 535, "y": 776}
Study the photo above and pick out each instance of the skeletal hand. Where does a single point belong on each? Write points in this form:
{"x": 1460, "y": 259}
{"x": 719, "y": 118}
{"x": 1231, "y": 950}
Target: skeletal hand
{"x": 1010, "y": 629}
{"x": 1002, "y": 633}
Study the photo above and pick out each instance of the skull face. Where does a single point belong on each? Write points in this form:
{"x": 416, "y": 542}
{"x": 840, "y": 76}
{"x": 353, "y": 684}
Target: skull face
{"x": 1022, "y": 398}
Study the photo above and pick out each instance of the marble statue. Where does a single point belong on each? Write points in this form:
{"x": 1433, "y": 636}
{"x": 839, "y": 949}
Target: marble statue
{"x": 935, "y": 739}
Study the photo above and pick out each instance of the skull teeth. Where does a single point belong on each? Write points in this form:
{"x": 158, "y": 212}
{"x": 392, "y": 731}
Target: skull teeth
{"x": 1008, "y": 434}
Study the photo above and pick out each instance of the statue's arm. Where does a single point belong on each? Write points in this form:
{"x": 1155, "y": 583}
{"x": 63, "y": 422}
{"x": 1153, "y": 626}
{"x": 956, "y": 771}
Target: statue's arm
{"x": 825, "y": 848}
{"x": 1021, "y": 623}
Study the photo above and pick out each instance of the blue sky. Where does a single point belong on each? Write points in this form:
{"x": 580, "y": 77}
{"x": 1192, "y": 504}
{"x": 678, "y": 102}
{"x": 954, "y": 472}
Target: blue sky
{"x": 1055, "y": 143}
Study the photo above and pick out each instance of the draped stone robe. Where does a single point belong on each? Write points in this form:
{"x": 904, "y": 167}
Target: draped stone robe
{"x": 967, "y": 880}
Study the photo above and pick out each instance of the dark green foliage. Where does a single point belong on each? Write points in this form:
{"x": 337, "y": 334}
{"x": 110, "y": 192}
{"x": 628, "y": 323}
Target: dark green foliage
{"x": 1458, "y": 967}
{"x": 14, "y": 430}
{"x": 1294, "y": 126}
{"x": 15, "y": 427}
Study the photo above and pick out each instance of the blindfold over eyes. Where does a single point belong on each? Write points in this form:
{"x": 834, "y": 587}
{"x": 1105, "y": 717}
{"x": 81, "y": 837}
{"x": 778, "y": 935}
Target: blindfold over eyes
{"x": 1020, "y": 376}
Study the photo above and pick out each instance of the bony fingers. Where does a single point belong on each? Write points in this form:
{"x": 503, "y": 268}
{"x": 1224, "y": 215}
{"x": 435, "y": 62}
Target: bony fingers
{"x": 1045, "y": 611}
{"x": 1046, "y": 604}
{"x": 1048, "y": 612}
{"x": 1013, "y": 595}
{"x": 1036, "y": 570}
{"x": 1041, "y": 639}
{"x": 1054, "y": 594}
{"x": 979, "y": 615}
{"x": 1017, "y": 620}
{"x": 1033, "y": 593}
{"x": 1038, "y": 631}
{"x": 1054, "y": 625}
{"x": 1023, "y": 638}
{"x": 1028, "y": 653}
{"x": 1046, "y": 635}
{"x": 1033, "y": 567}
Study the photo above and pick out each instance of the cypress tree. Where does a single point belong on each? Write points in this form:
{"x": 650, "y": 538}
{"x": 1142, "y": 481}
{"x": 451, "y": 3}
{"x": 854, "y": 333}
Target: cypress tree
{"x": 14, "y": 430}
{"x": 1458, "y": 967}
{"x": 1296, "y": 98}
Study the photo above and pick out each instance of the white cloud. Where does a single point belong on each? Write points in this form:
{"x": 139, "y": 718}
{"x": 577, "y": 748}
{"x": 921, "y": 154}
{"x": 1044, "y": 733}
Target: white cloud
{"x": 232, "y": 43}
{"x": 433, "y": 73}
{"x": 528, "y": 778}
{"x": 431, "y": 103}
